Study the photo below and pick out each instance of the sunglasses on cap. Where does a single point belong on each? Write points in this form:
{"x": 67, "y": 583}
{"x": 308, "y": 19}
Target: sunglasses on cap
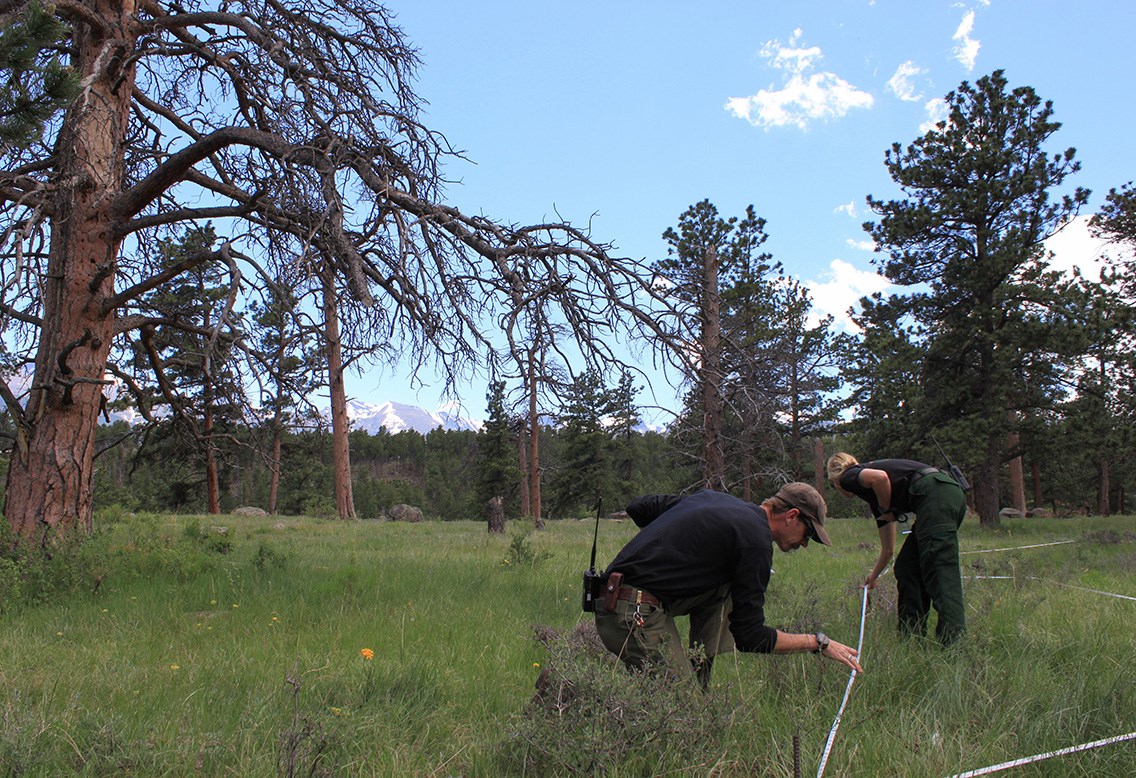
{"x": 810, "y": 528}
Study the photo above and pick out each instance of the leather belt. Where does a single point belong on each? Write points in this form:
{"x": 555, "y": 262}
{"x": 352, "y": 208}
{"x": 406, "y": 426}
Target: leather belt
{"x": 920, "y": 473}
{"x": 637, "y": 596}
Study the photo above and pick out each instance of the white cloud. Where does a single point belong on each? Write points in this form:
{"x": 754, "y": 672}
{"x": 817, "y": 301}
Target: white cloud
{"x": 861, "y": 245}
{"x": 806, "y": 95}
{"x": 901, "y": 83}
{"x": 966, "y": 47}
{"x": 937, "y": 111}
{"x": 1076, "y": 247}
{"x": 848, "y": 209}
{"x": 845, "y": 286}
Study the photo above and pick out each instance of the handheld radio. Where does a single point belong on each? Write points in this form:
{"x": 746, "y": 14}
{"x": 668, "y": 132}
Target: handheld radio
{"x": 591, "y": 577}
{"x": 951, "y": 468}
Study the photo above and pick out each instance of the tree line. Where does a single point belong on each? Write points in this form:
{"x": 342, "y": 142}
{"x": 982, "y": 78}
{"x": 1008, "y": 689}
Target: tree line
{"x": 448, "y": 474}
{"x": 236, "y": 208}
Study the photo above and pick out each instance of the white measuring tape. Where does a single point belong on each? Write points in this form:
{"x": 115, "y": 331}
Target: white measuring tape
{"x": 1055, "y": 583}
{"x": 1015, "y": 548}
{"x": 1038, "y": 757}
{"x": 847, "y": 691}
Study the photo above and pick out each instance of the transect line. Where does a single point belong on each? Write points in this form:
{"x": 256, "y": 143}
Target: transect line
{"x": 1015, "y": 548}
{"x": 1049, "y": 754}
{"x": 1055, "y": 583}
{"x": 847, "y": 690}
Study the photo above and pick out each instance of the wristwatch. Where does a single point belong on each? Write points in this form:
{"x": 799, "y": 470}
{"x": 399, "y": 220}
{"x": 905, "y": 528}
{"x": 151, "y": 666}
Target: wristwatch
{"x": 822, "y": 642}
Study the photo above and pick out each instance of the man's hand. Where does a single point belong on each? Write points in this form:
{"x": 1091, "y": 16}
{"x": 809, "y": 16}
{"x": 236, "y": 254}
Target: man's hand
{"x": 843, "y": 654}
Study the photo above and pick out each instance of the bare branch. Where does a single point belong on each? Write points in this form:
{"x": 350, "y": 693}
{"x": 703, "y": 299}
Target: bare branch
{"x": 223, "y": 254}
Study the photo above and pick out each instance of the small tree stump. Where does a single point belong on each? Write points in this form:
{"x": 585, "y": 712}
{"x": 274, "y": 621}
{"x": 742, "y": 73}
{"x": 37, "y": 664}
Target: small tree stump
{"x": 495, "y": 510}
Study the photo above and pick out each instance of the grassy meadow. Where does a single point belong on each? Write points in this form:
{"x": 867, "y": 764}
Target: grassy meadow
{"x": 176, "y": 649}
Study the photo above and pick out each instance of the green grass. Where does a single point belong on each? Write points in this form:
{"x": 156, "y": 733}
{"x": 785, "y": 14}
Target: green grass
{"x": 185, "y": 660}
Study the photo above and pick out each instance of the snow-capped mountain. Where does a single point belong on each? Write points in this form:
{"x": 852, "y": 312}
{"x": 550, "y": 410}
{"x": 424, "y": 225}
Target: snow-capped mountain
{"x": 397, "y": 417}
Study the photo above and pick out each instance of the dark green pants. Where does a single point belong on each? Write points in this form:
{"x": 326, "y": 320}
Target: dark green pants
{"x": 927, "y": 567}
{"x": 646, "y": 637}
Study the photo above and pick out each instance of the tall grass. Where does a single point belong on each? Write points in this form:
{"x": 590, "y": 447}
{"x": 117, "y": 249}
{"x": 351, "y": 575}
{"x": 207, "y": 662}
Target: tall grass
{"x": 176, "y": 649}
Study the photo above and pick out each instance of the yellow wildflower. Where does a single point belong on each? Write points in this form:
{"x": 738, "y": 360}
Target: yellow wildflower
{"x": 367, "y": 654}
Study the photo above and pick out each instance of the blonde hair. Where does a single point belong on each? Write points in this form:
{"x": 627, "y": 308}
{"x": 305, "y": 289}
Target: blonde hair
{"x": 838, "y": 463}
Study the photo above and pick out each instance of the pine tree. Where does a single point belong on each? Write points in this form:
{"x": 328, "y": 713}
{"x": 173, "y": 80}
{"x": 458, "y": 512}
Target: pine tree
{"x": 35, "y": 85}
{"x": 188, "y": 346}
{"x": 623, "y": 419}
{"x": 806, "y": 376}
{"x": 708, "y": 254}
{"x": 585, "y": 466}
{"x": 499, "y": 476}
{"x": 284, "y": 350}
{"x": 967, "y": 240}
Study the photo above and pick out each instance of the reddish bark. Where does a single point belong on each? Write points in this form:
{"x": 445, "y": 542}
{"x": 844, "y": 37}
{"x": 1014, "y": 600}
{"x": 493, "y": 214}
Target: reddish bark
{"x": 340, "y": 444}
{"x": 49, "y": 479}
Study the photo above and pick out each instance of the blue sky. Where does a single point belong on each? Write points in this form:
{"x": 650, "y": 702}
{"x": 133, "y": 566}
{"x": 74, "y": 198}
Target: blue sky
{"x": 623, "y": 114}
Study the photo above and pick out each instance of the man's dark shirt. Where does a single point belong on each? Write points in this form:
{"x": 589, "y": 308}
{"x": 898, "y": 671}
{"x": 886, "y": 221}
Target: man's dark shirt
{"x": 899, "y": 472}
{"x": 693, "y": 544}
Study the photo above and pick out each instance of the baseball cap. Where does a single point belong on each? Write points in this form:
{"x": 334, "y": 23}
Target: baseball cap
{"x": 811, "y": 505}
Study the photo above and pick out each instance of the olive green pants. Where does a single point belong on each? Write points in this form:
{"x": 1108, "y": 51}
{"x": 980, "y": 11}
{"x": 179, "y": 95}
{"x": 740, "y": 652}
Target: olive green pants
{"x": 927, "y": 567}
{"x": 646, "y": 637}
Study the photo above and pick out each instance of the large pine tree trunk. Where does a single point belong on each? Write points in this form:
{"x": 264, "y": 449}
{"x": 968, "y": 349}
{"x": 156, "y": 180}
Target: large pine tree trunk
{"x": 1103, "y": 507}
{"x": 49, "y": 478}
{"x": 340, "y": 443}
{"x": 713, "y": 461}
{"x": 987, "y": 488}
